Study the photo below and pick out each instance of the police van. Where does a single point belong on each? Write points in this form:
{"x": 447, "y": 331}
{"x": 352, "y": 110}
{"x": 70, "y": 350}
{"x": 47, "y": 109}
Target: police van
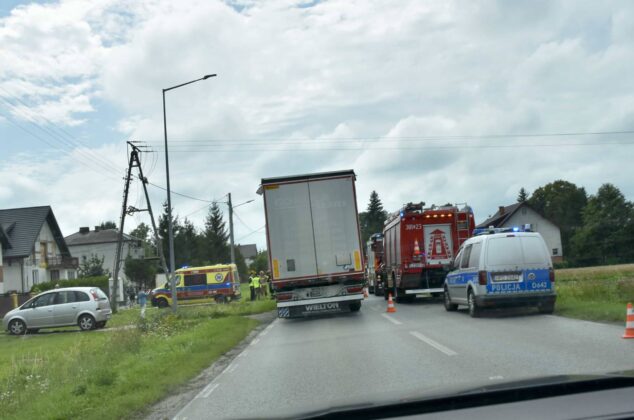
{"x": 214, "y": 283}
{"x": 501, "y": 267}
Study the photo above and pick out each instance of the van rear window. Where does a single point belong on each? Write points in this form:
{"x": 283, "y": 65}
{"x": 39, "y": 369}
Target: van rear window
{"x": 534, "y": 250}
{"x": 504, "y": 251}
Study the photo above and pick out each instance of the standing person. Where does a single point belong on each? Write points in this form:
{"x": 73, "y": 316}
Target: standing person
{"x": 252, "y": 286}
{"x": 257, "y": 286}
{"x": 131, "y": 296}
{"x": 142, "y": 297}
{"x": 264, "y": 280}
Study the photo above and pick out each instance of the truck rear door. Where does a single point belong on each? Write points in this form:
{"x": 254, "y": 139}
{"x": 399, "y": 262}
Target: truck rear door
{"x": 290, "y": 230}
{"x": 334, "y": 215}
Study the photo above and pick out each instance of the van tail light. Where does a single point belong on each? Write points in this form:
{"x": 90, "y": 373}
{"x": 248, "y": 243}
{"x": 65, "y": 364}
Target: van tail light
{"x": 482, "y": 278}
{"x": 551, "y": 275}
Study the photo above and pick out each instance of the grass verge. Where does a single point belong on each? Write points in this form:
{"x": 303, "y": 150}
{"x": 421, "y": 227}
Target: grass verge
{"x": 116, "y": 374}
{"x": 595, "y": 293}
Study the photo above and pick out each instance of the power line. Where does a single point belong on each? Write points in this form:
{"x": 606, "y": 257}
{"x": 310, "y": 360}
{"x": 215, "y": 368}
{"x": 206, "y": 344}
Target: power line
{"x": 240, "y": 220}
{"x": 251, "y": 233}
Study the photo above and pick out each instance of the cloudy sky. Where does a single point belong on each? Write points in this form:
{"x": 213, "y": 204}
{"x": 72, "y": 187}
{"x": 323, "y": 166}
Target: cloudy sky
{"x": 435, "y": 101}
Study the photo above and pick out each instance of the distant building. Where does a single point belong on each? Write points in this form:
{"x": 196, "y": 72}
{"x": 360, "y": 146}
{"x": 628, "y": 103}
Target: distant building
{"x": 32, "y": 249}
{"x": 520, "y": 214}
{"x": 249, "y": 252}
{"x": 103, "y": 244}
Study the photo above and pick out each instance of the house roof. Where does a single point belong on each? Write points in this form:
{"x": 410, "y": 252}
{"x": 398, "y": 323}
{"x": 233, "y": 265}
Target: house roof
{"x": 20, "y": 228}
{"x": 102, "y": 236}
{"x": 500, "y": 217}
{"x": 248, "y": 250}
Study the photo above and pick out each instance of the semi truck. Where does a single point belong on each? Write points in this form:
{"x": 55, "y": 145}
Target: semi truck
{"x": 314, "y": 243}
{"x": 374, "y": 259}
{"x": 419, "y": 245}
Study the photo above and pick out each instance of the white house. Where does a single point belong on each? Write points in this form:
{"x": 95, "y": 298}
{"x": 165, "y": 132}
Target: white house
{"x": 32, "y": 249}
{"x": 520, "y": 214}
{"x": 103, "y": 244}
{"x": 249, "y": 252}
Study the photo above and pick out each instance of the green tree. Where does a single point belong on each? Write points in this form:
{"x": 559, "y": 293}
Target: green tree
{"x": 142, "y": 232}
{"x": 215, "y": 237}
{"x": 260, "y": 262}
{"x": 607, "y": 234}
{"x": 372, "y": 219}
{"x": 163, "y": 232}
{"x": 242, "y": 265}
{"x": 140, "y": 271}
{"x": 562, "y": 202}
{"x": 187, "y": 245}
{"x": 109, "y": 224}
{"x": 92, "y": 267}
{"x": 522, "y": 196}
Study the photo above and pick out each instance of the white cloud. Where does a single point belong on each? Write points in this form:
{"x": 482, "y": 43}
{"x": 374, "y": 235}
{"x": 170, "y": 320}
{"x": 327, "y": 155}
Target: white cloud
{"x": 336, "y": 70}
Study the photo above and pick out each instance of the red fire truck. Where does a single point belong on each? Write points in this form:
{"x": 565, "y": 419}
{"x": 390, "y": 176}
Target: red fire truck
{"x": 419, "y": 245}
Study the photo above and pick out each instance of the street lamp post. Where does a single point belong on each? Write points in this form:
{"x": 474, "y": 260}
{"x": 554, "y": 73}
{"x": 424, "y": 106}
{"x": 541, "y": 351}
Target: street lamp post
{"x": 169, "y": 196}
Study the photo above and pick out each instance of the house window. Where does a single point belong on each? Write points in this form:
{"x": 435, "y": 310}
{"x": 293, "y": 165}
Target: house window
{"x": 524, "y": 211}
{"x": 555, "y": 251}
{"x": 36, "y": 276}
{"x": 71, "y": 274}
{"x": 54, "y": 275}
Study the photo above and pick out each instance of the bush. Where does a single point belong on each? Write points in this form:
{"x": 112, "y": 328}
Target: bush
{"x": 100, "y": 282}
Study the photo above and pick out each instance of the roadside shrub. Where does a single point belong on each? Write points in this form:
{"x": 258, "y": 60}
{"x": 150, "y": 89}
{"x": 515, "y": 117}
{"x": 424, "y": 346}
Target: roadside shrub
{"x": 100, "y": 282}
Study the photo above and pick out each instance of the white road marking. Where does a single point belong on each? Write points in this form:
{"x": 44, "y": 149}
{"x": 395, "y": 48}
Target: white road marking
{"x": 232, "y": 367}
{"x": 433, "y": 343}
{"x": 244, "y": 353}
{"x": 496, "y": 378}
{"x": 255, "y": 341}
{"x": 392, "y": 320}
{"x": 212, "y": 389}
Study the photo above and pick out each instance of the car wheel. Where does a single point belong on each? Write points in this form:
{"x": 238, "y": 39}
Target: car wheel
{"x": 449, "y": 307}
{"x": 546, "y": 308}
{"x": 354, "y": 307}
{"x": 162, "y": 303}
{"x": 474, "y": 309}
{"x": 17, "y": 327}
{"x": 86, "y": 323}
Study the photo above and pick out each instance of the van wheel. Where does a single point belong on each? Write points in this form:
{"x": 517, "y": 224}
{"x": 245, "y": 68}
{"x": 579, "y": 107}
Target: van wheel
{"x": 86, "y": 323}
{"x": 546, "y": 308}
{"x": 220, "y": 298}
{"x": 162, "y": 303}
{"x": 449, "y": 307}
{"x": 17, "y": 327}
{"x": 474, "y": 309}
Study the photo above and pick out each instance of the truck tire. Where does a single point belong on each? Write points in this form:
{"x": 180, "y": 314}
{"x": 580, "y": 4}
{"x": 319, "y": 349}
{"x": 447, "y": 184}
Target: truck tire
{"x": 355, "y": 306}
{"x": 449, "y": 307}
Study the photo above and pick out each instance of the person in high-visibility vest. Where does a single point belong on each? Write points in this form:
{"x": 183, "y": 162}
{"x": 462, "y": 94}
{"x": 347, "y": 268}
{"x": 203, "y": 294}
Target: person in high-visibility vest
{"x": 252, "y": 286}
{"x": 256, "y": 286}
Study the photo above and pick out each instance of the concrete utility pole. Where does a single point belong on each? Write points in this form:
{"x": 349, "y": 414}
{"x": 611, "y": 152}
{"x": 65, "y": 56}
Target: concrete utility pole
{"x": 170, "y": 228}
{"x": 233, "y": 252}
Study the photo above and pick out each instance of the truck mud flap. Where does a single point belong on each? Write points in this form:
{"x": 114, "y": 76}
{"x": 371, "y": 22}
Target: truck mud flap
{"x": 313, "y": 309}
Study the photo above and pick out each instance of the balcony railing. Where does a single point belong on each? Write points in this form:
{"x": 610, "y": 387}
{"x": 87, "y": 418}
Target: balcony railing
{"x": 62, "y": 262}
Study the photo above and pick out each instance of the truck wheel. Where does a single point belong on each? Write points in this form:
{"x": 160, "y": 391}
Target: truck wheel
{"x": 449, "y": 307}
{"x": 355, "y": 306}
{"x": 162, "y": 303}
{"x": 474, "y": 309}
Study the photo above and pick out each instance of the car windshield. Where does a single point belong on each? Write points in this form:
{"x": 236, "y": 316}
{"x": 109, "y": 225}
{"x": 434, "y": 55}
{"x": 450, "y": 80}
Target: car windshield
{"x": 361, "y": 202}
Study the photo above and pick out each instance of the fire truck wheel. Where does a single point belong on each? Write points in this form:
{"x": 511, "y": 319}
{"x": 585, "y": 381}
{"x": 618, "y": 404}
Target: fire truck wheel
{"x": 385, "y": 295}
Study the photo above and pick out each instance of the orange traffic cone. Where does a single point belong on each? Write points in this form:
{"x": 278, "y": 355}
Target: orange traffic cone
{"x": 629, "y": 322}
{"x": 390, "y": 304}
{"x": 365, "y": 293}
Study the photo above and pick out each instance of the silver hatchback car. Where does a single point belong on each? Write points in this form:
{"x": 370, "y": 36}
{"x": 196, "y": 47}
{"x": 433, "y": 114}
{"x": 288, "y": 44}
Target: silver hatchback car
{"x": 87, "y": 307}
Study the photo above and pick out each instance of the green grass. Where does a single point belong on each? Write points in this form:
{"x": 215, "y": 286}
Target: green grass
{"x": 118, "y": 373}
{"x": 595, "y": 293}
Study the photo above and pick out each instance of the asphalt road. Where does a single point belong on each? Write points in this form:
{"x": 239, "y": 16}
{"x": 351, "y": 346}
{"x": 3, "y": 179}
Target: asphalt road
{"x": 295, "y": 366}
